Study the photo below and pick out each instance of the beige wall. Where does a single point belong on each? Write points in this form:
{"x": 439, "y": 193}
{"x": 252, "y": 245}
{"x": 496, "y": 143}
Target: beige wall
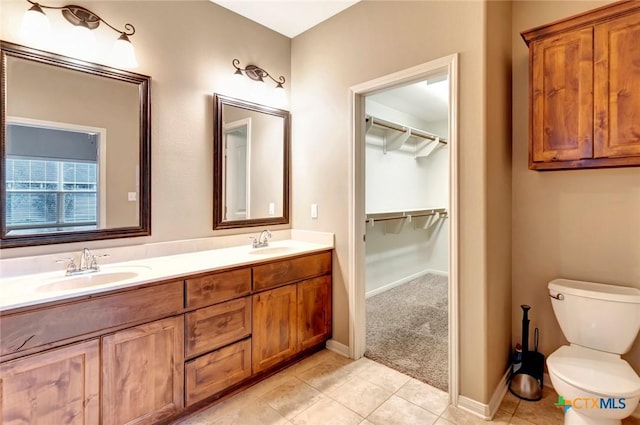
{"x": 187, "y": 48}
{"x": 580, "y": 224}
{"x": 498, "y": 189}
{"x": 372, "y": 39}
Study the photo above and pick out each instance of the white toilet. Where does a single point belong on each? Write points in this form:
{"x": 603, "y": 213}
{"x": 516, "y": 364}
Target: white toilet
{"x": 601, "y": 323}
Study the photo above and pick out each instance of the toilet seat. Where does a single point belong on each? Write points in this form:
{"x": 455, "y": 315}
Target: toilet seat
{"x": 594, "y": 371}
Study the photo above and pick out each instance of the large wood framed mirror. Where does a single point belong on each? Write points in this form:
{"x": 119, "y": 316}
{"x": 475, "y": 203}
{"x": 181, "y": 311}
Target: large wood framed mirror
{"x": 75, "y": 150}
{"x": 251, "y": 164}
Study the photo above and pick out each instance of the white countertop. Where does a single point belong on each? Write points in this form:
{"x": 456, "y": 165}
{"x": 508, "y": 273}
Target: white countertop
{"x": 40, "y": 288}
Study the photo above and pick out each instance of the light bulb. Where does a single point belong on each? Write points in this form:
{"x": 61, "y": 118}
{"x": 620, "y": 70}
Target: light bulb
{"x": 123, "y": 54}
{"x": 280, "y": 96}
{"x": 259, "y": 89}
{"x": 83, "y": 42}
{"x": 35, "y": 25}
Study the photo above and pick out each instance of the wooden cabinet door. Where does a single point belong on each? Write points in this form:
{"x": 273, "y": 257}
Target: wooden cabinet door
{"x": 60, "y": 386}
{"x": 617, "y": 88}
{"x": 142, "y": 373}
{"x": 562, "y": 98}
{"x": 274, "y": 327}
{"x": 314, "y": 312}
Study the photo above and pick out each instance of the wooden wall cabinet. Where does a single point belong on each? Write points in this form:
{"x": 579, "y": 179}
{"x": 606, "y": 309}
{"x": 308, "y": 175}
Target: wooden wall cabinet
{"x": 585, "y": 90}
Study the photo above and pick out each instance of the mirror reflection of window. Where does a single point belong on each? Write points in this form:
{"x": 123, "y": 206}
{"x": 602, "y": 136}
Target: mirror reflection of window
{"x": 52, "y": 177}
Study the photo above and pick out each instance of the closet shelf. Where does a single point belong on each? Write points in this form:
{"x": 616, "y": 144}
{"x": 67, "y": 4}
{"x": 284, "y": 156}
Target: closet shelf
{"x": 395, "y": 220}
{"x": 401, "y": 135}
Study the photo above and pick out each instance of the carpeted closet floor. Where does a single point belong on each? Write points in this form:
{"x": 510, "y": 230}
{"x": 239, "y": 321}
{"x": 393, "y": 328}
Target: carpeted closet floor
{"x": 407, "y": 329}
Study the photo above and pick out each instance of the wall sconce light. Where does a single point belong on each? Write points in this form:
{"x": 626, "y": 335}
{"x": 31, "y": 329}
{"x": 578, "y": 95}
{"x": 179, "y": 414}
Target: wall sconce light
{"x": 257, "y": 74}
{"x": 36, "y": 24}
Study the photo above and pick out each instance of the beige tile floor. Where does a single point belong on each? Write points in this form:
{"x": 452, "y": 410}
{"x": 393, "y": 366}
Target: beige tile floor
{"x": 328, "y": 389}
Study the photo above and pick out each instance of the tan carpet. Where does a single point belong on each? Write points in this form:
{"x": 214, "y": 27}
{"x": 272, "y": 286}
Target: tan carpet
{"x": 407, "y": 329}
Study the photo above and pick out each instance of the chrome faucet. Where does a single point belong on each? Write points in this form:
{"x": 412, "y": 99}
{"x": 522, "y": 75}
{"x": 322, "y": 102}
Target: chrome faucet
{"x": 88, "y": 263}
{"x": 85, "y": 259}
{"x": 262, "y": 240}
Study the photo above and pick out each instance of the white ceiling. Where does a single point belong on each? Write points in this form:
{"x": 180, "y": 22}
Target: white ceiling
{"x": 426, "y": 102}
{"x": 288, "y": 17}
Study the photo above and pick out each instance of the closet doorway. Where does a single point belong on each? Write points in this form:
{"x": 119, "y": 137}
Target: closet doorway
{"x": 403, "y": 286}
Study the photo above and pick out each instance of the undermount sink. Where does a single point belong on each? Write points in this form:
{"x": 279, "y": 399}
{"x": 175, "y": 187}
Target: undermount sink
{"x": 272, "y": 250}
{"x": 84, "y": 281}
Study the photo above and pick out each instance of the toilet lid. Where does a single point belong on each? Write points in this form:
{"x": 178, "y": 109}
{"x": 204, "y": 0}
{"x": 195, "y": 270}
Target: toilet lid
{"x": 594, "y": 371}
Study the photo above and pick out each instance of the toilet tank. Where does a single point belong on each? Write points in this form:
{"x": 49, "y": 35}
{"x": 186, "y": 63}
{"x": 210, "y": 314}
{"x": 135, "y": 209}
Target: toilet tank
{"x": 595, "y": 315}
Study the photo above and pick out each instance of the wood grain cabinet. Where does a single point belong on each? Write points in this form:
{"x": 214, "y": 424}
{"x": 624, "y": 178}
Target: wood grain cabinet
{"x": 142, "y": 373}
{"x": 289, "y": 320}
{"x": 585, "y": 90}
{"x": 313, "y": 312}
{"x": 149, "y": 354}
{"x": 274, "y": 327}
{"x": 214, "y": 372}
{"x": 60, "y": 386}
{"x": 220, "y": 336}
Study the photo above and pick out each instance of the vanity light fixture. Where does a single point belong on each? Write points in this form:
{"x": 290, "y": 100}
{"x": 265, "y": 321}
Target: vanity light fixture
{"x": 256, "y": 73}
{"x": 36, "y": 24}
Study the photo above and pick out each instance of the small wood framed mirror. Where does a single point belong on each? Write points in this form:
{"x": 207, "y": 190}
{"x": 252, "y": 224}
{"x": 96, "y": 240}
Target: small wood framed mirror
{"x": 251, "y": 164}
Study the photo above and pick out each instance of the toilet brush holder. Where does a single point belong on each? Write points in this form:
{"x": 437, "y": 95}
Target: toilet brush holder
{"x": 527, "y": 381}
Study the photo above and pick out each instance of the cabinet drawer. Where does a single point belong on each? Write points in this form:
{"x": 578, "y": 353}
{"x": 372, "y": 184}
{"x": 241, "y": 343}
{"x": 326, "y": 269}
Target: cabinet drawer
{"x": 282, "y": 272}
{"x": 30, "y": 329}
{"x": 212, "y": 327}
{"x": 218, "y": 287}
{"x": 212, "y": 373}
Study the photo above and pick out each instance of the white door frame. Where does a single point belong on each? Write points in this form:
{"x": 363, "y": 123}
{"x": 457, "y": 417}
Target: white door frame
{"x": 357, "y": 216}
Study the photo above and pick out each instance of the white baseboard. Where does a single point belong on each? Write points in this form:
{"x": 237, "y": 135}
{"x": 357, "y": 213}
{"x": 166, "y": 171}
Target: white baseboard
{"x": 403, "y": 281}
{"x": 337, "y": 347}
{"x": 486, "y": 411}
{"x": 437, "y": 272}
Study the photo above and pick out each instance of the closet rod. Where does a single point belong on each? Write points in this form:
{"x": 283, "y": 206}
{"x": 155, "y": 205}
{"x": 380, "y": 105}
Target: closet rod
{"x": 398, "y": 127}
{"x": 408, "y": 214}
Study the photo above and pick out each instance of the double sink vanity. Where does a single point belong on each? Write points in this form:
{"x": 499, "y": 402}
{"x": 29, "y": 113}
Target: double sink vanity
{"x": 147, "y": 341}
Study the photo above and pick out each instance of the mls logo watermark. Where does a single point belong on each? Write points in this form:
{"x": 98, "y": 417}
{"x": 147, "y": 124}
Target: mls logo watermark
{"x": 590, "y": 403}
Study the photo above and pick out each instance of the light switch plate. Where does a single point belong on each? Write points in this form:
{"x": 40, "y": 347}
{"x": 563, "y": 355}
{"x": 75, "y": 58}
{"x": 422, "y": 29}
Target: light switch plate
{"x": 131, "y": 196}
{"x": 314, "y": 210}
